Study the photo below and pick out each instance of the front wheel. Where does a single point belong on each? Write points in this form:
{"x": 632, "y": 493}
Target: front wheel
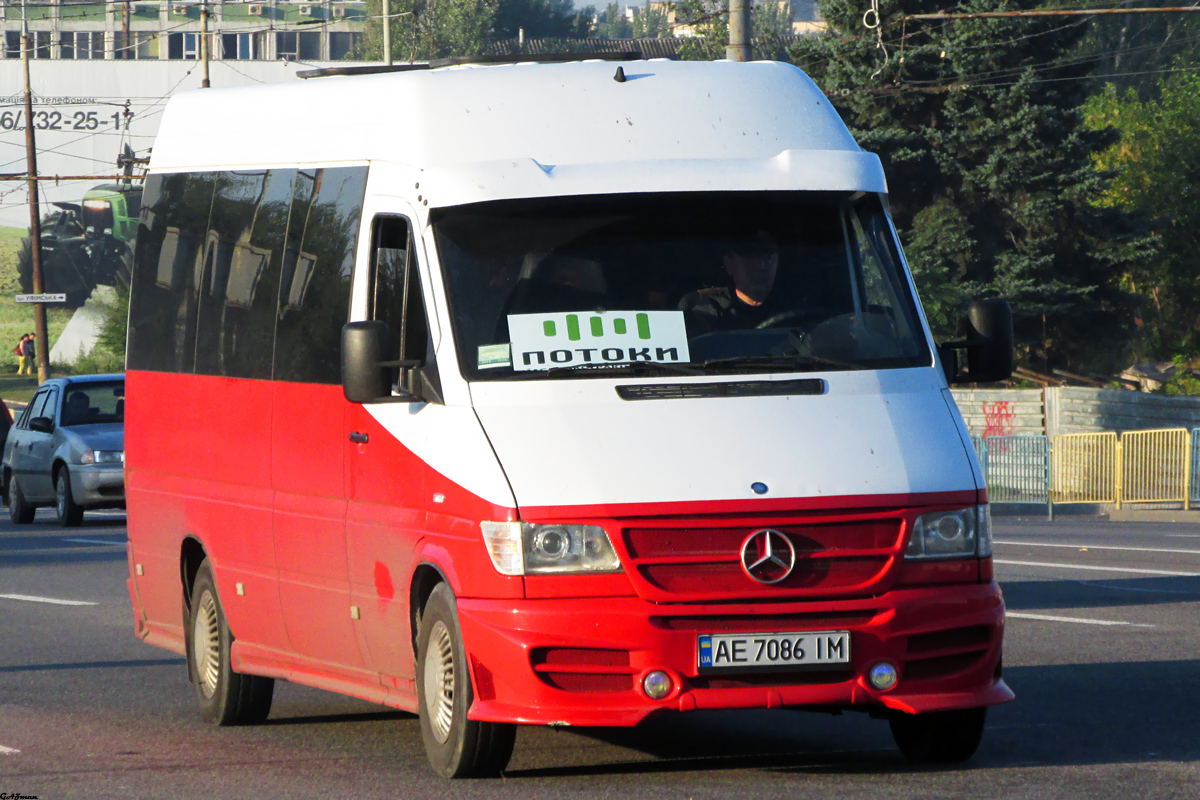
{"x": 942, "y": 737}
{"x": 70, "y": 513}
{"x": 19, "y": 510}
{"x": 457, "y": 747}
{"x": 225, "y": 697}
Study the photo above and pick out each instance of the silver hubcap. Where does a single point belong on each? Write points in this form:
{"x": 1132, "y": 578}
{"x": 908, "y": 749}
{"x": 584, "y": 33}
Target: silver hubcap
{"x": 206, "y": 644}
{"x": 439, "y": 681}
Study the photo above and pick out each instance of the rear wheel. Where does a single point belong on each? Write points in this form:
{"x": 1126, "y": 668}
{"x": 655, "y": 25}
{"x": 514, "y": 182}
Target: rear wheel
{"x": 225, "y": 697}
{"x": 70, "y": 513}
{"x": 943, "y": 737}
{"x": 19, "y": 510}
{"x": 457, "y": 747}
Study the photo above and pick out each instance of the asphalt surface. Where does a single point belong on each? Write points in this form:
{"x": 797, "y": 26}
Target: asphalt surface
{"x": 1102, "y": 648}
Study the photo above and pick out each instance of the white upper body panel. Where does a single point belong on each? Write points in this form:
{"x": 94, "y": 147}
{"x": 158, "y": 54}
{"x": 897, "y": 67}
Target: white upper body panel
{"x": 575, "y": 443}
{"x": 523, "y": 130}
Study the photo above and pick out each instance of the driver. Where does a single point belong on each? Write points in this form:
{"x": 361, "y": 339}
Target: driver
{"x": 751, "y": 265}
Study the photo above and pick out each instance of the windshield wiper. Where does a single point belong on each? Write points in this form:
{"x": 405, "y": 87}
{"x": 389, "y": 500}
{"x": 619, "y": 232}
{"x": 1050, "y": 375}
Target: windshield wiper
{"x": 782, "y": 362}
{"x": 625, "y": 368}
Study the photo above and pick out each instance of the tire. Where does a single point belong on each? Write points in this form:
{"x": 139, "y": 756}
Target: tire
{"x": 943, "y": 737}
{"x": 225, "y": 697}
{"x": 19, "y": 509}
{"x": 70, "y": 513}
{"x": 457, "y": 747}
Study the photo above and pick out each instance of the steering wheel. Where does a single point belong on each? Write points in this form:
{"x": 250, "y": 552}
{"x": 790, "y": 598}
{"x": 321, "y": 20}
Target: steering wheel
{"x": 784, "y": 316}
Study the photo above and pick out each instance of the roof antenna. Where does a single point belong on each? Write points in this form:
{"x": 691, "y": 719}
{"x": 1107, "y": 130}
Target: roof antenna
{"x": 620, "y": 76}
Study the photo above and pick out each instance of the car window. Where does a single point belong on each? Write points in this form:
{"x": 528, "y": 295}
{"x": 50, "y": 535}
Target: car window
{"x": 93, "y": 403}
{"x": 36, "y": 407}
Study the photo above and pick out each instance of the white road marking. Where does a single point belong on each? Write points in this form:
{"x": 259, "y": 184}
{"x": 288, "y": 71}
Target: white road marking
{"x": 29, "y": 598}
{"x": 1099, "y": 569}
{"x": 1182, "y": 535}
{"x": 117, "y": 544}
{"x": 1052, "y": 618}
{"x": 1101, "y": 547}
{"x": 8, "y": 751}
{"x": 1095, "y": 585}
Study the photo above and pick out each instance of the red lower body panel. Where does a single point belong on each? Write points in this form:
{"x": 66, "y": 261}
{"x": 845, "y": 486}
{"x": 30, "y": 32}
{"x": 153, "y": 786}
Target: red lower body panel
{"x": 581, "y": 662}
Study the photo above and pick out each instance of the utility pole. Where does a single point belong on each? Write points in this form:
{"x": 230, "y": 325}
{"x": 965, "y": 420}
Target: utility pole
{"x": 126, "y": 52}
{"x": 204, "y": 84}
{"x": 387, "y": 33}
{"x": 35, "y": 222}
{"x": 739, "y": 31}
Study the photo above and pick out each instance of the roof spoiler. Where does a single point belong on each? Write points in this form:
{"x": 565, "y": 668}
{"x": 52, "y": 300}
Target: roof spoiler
{"x": 545, "y": 58}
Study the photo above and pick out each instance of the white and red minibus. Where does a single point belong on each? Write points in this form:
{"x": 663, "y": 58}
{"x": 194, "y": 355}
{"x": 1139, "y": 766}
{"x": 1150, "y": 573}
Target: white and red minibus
{"x": 550, "y": 394}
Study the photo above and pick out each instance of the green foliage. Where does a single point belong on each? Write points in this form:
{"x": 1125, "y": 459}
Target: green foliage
{"x": 1157, "y": 167}
{"x": 710, "y": 20}
{"x": 990, "y": 170}
{"x": 612, "y": 24}
{"x": 650, "y": 22}
{"x": 1131, "y": 51}
{"x": 423, "y": 29}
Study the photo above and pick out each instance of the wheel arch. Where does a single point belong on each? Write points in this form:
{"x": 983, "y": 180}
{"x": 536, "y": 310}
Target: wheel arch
{"x": 191, "y": 556}
{"x": 425, "y": 579}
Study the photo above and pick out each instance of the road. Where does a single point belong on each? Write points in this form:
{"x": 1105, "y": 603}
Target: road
{"x": 1102, "y": 646}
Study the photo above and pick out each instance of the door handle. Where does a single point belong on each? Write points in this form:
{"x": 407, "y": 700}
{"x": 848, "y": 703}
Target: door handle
{"x": 359, "y": 438}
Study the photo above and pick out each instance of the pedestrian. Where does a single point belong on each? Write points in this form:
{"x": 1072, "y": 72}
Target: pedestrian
{"x": 29, "y": 346}
{"x": 19, "y": 352}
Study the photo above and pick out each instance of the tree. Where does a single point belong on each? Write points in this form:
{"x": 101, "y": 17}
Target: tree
{"x": 769, "y": 20}
{"x": 428, "y": 29}
{"x": 992, "y": 181}
{"x": 650, "y": 22}
{"x": 613, "y": 24}
{"x": 1157, "y": 167}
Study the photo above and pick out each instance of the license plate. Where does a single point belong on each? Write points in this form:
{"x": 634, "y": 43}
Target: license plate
{"x": 764, "y": 652}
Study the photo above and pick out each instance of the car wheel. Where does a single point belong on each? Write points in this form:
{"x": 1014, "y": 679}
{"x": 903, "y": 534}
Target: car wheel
{"x": 19, "y": 510}
{"x": 225, "y": 697}
{"x": 70, "y": 513}
{"x": 457, "y": 747}
{"x": 943, "y": 737}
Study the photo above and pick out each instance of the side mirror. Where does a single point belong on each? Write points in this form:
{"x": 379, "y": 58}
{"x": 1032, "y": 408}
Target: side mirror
{"x": 989, "y": 344}
{"x": 366, "y": 376}
{"x": 41, "y": 425}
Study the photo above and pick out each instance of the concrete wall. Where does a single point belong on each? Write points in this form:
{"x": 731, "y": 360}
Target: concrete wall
{"x": 1023, "y": 412}
{"x": 1002, "y": 412}
{"x": 1079, "y": 410}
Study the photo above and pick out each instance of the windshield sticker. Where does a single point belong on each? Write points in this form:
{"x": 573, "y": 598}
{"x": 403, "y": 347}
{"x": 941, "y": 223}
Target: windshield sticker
{"x": 547, "y": 341}
{"x": 494, "y": 355}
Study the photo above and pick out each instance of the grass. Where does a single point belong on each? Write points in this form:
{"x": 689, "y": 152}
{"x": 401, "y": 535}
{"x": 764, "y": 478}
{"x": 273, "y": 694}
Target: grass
{"x": 17, "y": 318}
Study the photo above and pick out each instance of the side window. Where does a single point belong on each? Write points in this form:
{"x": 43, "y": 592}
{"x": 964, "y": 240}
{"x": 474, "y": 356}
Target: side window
{"x": 395, "y": 289}
{"x": 43, "y": 404}
{"x": 168, "y": 270}
{"x": 314, "y": 290}
{"x": 240, "y": 286}
{"x": 33, "y": 409}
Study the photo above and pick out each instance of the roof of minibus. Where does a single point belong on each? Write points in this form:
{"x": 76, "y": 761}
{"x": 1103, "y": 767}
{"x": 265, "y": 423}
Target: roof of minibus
{"x": 555, "y": 114}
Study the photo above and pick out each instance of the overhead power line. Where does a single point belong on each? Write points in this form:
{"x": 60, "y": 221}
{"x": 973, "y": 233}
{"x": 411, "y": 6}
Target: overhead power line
{"x": 1059, "y": 12}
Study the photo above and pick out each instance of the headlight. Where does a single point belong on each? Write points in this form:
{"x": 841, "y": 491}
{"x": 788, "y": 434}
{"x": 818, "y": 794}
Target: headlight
{"x": 102, "y": 457}
{"x": 522, "y": 548}
{"x": 952, "y": 534}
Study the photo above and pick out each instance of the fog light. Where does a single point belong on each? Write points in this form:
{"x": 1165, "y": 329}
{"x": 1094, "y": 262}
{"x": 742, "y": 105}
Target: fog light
{"x": 657, "y": 684}
{"x": 882, "y": 676}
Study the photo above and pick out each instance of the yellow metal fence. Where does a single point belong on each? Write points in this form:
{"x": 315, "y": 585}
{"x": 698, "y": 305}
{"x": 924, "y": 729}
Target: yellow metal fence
{"x": 1131, "y": 467}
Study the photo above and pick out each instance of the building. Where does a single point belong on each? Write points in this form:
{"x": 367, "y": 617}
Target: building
{"x": 162, "y": 30}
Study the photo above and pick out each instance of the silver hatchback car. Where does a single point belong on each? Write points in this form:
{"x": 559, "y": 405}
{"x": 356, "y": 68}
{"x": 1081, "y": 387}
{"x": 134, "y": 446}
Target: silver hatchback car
{"x": 67, "y": 449}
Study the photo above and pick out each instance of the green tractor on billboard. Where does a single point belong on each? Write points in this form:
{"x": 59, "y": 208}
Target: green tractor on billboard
{"x": 87, "y": 244}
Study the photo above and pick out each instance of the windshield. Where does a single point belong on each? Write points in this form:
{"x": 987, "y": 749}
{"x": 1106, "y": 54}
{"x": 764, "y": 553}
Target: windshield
{"x": 707, "y": 283}
{"x": 91, "y": 403}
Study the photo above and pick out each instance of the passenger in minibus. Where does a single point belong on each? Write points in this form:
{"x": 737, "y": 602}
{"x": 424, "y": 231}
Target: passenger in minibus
{"x": 752, "y": 264}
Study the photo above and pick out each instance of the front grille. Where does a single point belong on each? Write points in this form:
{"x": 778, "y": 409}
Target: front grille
{"x": 583, "y": 669}
{"x": 704, "y": 563}
{"x": 757, "y": 623}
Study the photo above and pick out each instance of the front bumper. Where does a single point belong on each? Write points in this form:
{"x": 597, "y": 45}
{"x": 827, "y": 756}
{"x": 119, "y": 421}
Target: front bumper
{"x": 581, "y": 661}
{"x": 98, "y": 485}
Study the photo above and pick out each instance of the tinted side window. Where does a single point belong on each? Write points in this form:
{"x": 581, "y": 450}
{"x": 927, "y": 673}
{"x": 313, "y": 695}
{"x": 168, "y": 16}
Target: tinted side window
{"x": 241, "y": 273}
{"x": 36, "y": 408}
{"x": 395, "y": 289}
{"x": 314, "y": 293}
{"x": 168, "y": 268}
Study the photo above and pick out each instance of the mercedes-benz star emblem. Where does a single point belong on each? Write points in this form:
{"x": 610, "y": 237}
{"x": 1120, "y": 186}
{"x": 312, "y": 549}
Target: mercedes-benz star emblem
{"x": 768, "y": 556}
